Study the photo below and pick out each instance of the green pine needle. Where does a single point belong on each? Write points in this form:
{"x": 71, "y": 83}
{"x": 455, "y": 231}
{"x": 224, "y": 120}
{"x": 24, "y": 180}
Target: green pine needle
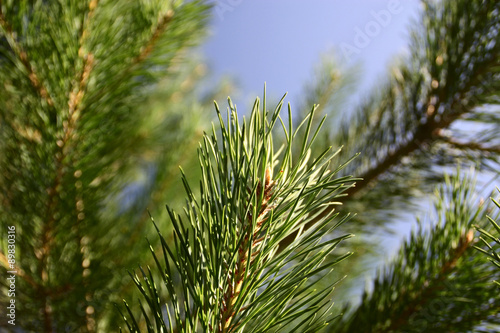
{"x": 223, "y": 268}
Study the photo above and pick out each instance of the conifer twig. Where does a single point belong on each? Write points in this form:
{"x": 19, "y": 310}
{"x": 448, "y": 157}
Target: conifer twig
{"x": 251, "y": 234}
{"x": 436, "y": 280}
{"x": 19, "y": 271}
{"x": 160, "y": 28}
{"x": 470, "y": 145}
{"x": 23, "y": 57}
{"x": 144, "y": 53}
{"x": 69, "y": 125}
{"x": 226, "y": 257}
{"x": 432, "y": 286}
{"x": 427, "y": 132}
{"x": 74, "y": 110}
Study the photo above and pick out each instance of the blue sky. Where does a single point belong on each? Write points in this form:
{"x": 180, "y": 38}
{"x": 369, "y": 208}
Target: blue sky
{"x": 280, "y": 41}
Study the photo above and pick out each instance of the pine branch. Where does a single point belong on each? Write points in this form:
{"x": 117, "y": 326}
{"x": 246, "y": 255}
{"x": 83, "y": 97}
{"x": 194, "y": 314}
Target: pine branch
{"x": 470, "y": 145}
{"x": 146, "y": 49}
{"x": 487, "y": 238}
{"x": 63, "y": 161}
{"x": 428, "y": 132}
{"x": 19, "y": 272}
{"x": 23, "y": 58}
{"x": 247, "y": 252}
{"x": 437, "y": 280}
{"x": 446, "y": 78}
{"x": 224, "y": 253}
{"x": 431, "y": 288}
{"x": 69, "y": 129}
{"x": 158, "y": 31}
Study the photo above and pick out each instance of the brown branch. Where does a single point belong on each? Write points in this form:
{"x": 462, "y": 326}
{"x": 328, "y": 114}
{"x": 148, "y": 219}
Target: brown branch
{"x": 69, "y": 126}
{"x": 86, "y": 27}
{"x": 43, "y": 253}
{"x": 23, "y": 57}
{"x": 231, "y": 295}
{"x": 143, "y": 54}
{"x": 74, "y": 105}
{"x": 159, "y": 30}
{"x": 19, "y": 271}
{"x": 426, "y": 134}
{"x": 470, "y": 145}
{"x": 432, "y": 287}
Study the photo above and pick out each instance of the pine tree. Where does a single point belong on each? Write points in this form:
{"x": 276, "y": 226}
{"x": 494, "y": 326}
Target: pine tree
{"x": 90, "y": 140}
{"x": 403, "y": 132}
{"x": 410, "y": 131}
{"x": 86, "y": 147}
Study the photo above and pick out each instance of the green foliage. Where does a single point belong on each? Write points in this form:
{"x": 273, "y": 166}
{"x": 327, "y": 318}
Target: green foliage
{"x": 98, "y": 107}
{"x": 437, "y": 282}
{"x": 437, "y": 108}
{"x": 74, "y": 131}
{"x": 451, "y": 71}
{"x": 488, "y": 237}
{"x": 228, "y": 275}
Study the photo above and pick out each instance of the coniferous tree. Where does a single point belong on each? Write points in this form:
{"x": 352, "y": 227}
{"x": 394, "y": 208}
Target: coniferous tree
{"x": 408, "y": 132}
{"x": 403, "y": 131}
{"x": 85, "y": 147}
{"x": 81, "y": 155}
{"x": 409, "y": 122}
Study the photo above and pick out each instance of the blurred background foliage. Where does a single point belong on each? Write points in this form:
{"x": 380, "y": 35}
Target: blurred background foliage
{"x": 101, "y": 101}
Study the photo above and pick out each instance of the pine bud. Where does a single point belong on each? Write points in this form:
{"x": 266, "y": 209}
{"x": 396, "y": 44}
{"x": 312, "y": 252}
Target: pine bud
{"x": 269, "y": 177}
